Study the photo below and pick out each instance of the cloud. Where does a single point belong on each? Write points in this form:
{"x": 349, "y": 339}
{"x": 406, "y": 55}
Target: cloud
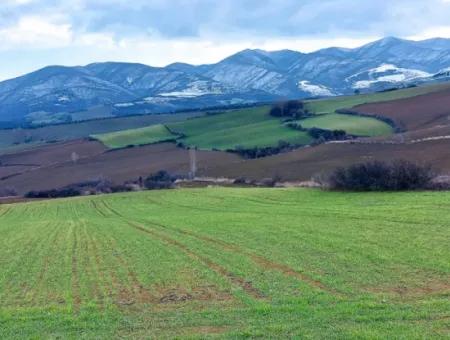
{"x": 34, "y": 32}
{"x": 158, "y": 32}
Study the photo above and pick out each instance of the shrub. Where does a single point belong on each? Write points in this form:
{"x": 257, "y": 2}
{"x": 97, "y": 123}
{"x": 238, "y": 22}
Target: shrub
{"x": 54, "y": 193}
{"x": 327, "y": 135}
{"x": 160, "y": 180}
{"x": 259, "y": 152}
{"x": 381, "y": 176}
{"x": 292, "y": 108}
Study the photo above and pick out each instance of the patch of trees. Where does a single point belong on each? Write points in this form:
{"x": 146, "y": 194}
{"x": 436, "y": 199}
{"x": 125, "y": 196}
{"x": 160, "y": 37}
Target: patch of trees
{"x": 327, "y": 135}
{"x": 381, "y": 176}
{"x": 293, "y": 109}
{"x": 160, "y": 180}
{"x": 321, "y": 135}
{"x": 54, "y": 193}
{"x": 259, "y": 152}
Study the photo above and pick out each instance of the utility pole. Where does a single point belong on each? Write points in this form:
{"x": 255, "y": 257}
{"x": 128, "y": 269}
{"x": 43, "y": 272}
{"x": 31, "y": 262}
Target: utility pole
{"x": 193, "y": 162}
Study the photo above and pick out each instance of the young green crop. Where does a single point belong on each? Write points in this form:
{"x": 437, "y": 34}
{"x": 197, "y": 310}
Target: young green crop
{"x": 227, "y": 263}
{"x": 141, "y": 136}
{"x": 354, "y": 125}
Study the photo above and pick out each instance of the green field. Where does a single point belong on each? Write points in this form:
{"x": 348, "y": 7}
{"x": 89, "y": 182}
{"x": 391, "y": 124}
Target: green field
{"x": 346, "y": 102}
{"x": 246, "y": 127}
{"x": 16, "y": 139}
{"x": 141, "y": 136}
{"x": 354, "y": 125}
{"x": 227, "y": 263}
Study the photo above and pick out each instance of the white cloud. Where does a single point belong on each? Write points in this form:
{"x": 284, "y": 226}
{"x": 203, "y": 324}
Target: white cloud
{"x": 31, "y": 31}
{"x": 433, "y": 32}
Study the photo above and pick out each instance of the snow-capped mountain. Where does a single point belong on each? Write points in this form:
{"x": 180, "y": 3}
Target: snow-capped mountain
{"x": 57, "y": 93}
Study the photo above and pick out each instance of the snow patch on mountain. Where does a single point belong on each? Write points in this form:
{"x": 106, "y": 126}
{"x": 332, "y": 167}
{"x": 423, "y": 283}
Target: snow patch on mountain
{"x": 315, "y": 90}
{"x": 124, "y": 105}
{"x": 63, "y": 99}
{"x": 194, "y": 89}
{"x": 385, "y": 73}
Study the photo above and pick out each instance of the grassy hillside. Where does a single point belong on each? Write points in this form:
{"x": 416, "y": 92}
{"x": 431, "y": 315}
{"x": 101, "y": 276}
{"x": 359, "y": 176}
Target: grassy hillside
{"x": 254, "y": 127}
{"x": 355, "y": 125}
{"x": 146, "y": 135}
{"x": 246, "y": 127}
{"x": 227, "y": 263}
{"x": 344, "y": 102}
{"x": 16, "y": 139}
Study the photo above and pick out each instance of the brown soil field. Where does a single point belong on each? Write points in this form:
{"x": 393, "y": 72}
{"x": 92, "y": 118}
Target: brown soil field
{"x": 302, "y": 164}
{"x": 118, "y": 166}
{"x": 414, "y": 113}
{"x": 20, "y": 162}
{"x": 128, "y": 164}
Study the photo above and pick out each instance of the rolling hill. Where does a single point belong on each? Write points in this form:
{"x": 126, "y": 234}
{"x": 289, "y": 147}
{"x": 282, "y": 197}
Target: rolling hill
{"x": 58, "y": 94}
{"x": 51, "y": 166}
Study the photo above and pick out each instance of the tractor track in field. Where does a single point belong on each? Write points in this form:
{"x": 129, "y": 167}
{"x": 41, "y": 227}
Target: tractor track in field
{"x": 4, "y": 212}
{"x": 90, "y": 267}
{"x": 261, "y": 261}
{"x": 75, "y": 278}
{"x": 234, "y": 279}
{"x": 94, "y": 204}
{"x": 31, "y": 247}
{"x": 141, "y": 294}
{"x": 120, "y": 294}
{"x": 39, "y": 285}
{"x": 99, "y": 264}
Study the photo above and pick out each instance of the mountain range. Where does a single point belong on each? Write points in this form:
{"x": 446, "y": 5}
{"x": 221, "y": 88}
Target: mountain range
{"x": 57, "y": 94}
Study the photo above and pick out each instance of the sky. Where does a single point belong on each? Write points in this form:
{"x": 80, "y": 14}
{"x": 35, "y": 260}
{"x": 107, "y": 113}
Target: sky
{"x": 37, "y": 33}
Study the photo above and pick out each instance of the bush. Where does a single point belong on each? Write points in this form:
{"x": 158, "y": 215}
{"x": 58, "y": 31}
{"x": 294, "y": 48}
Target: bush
{"x": 292, "y": 109}
{"x": 327, "y": 135}
{"x": 160, "y": 180}
{"x": 259, "y": 152}
{"x": 54, "y": 193}
{"x": 381, "y": 176}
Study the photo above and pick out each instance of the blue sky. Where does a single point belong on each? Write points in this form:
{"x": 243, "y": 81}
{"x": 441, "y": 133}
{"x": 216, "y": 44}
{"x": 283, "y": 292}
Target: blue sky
{"x": 36, "y": 33}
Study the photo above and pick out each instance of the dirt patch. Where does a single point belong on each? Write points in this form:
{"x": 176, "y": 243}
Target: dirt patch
{"x": 201, "y": 293}
{"x": 118, "y": 166}
{"x": 429, "y": 288}
{"x": 303, "y": 164}
{"x": 413, "y": 113}
{"x": 76, "y": 297}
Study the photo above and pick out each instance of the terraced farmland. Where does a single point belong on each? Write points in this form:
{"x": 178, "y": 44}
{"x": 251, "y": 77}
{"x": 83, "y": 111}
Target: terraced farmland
{"x": 227, "y": 263}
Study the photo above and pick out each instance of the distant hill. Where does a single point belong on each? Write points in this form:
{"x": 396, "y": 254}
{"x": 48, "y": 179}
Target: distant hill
{"x": 62, "y": 94}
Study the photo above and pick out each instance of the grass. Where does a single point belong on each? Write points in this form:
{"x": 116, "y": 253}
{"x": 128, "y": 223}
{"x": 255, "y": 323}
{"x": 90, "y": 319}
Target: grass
{"x": 146, "y": 135}
{"x": 247, "y": 127}
{"x": 345, "y": 102}
{"x": 227, "y": 263}
{"x": 355, "y": 125}
{"x": 15, "y": 139}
